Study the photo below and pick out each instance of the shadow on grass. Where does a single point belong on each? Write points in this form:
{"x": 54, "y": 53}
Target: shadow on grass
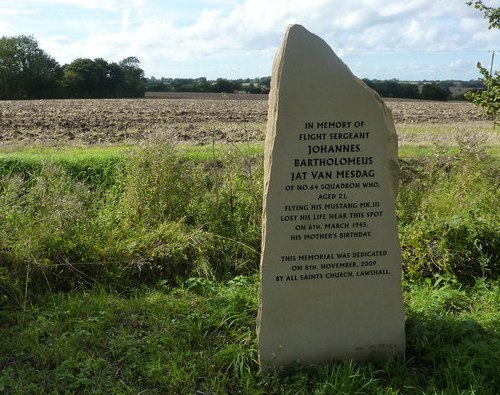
{"x": 449, "y": 353}
{"x": 201, "y": 337}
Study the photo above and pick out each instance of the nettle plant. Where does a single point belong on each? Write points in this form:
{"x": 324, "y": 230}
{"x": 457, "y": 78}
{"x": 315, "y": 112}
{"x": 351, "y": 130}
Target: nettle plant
{"x": 488, "y": 99}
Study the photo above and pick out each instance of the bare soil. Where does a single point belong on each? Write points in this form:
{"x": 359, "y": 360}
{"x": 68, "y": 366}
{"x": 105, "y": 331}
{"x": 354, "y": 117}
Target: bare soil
{"x": 186, "y": 117}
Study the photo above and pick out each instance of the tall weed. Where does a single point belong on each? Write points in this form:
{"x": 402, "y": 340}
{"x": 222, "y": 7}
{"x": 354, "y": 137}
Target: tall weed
{"x": 230, "y": 208}
{"x": 163, "y": 218}
{"x": 166, "y": 218}
{"x": 44, "y": 235}
{"x": 453, "y": 226}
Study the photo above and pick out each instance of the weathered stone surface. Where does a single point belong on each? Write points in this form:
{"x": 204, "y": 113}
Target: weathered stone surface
{"x": 331, "y": 260}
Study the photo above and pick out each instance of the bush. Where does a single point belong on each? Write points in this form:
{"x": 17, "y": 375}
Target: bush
{"x": 163, "y": 218}
{"x": 158, "y": 217}
{"x": 488, "y": 99}
{"x": 449, "y": 221}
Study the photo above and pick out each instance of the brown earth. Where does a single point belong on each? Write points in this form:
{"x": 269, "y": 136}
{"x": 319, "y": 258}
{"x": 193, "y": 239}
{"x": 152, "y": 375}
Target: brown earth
{"x": 181, "y": 117}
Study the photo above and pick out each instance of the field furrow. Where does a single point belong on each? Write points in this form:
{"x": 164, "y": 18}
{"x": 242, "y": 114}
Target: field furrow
{"x": 187, "y": 118}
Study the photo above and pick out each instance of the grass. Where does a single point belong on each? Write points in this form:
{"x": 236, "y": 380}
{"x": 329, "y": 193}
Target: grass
{"x": 159, "y": 215}
{"x": 82, "y": 156}
{"x": 416, "y": 141}
{"x": 133, "y": 270}
{"x": 421, "y": 140}
{"x": 83, "y": 159}
{"x": 447, "y": 133}
{"x": 215, "y": 151}
{"x": 72, "y": 216}
{"x": 200, "y": 338}
{"x": 97, "y": 165}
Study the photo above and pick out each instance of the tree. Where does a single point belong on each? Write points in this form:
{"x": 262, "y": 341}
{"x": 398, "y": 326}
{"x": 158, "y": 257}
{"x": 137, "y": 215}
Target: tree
{"x": 488, "y": 99}
{"x": 26, "y": 71}
{"x": 202, "y": 84}
{"x": 265, "y": 84}
{"x": 86, "y": 78}
{"x": 394, "y": 88}
{"x": 492, "y": 14}
{"x": 134, "y": 81}
{"x": 96, "y": 78}
{"x": 435, "y": 92}
{"x": 223, "y": 85}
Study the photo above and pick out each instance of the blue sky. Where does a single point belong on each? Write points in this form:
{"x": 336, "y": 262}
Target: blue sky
{"x": 403, "y": 39}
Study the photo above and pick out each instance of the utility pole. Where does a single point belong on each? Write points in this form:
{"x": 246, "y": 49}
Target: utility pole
{"x": 492, "y": 59}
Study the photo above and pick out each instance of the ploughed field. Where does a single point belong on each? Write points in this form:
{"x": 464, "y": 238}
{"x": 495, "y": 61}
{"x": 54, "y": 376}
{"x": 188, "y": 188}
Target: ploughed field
{"x": 190, "y": 118}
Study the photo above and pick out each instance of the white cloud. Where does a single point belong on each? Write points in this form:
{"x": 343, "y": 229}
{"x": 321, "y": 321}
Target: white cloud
{"x": 6, "y": 29}
{"x": 92, "y": 4}
{"x": 461, "y": 64}
{"x": 157, "y": 31}
{"x": 10, "y": 11}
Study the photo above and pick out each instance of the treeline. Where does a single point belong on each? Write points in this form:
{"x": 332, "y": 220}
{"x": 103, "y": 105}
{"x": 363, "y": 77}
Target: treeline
{"x": 426, "y": 90}
{"x": 201, "y": 84}
{"x": 28, "y": 72}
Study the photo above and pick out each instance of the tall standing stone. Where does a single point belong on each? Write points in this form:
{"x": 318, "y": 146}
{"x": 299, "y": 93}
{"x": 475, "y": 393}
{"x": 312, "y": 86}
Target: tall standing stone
{"x": 331, "y": 259}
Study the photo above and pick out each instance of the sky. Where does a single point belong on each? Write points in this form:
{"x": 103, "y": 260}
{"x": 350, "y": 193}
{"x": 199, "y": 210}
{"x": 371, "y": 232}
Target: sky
{"x": 378, "y": 39}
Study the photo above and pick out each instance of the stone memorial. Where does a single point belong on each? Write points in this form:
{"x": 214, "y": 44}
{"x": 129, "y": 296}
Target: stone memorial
{"x": 331, "y": 260}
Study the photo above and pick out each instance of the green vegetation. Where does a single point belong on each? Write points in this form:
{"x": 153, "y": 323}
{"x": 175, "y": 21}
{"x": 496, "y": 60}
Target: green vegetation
{"x": 150, "y": 215}
{"x": 159, "y": 248}
{"x": 492, "y": 14}
{"x": 393, "y": 88}
{"x": 201, "y": 84}
{"x": 488, "y": 99}
{"x": 448, "y": 218}
{"x": 200, "y": 336}
{"x": 422, "y": 90}
{"x": 87, "y": 78}
{"x": 133, "y": 216}
{"x": 28, "y": 72}
{"x": 97, "y": 166}
{"x": 133, "y": 270}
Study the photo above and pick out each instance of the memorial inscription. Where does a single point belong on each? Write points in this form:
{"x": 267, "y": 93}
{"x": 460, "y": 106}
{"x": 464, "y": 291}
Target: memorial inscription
{"x": 331, "y": 261}
{"x": 323, "y": 169}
